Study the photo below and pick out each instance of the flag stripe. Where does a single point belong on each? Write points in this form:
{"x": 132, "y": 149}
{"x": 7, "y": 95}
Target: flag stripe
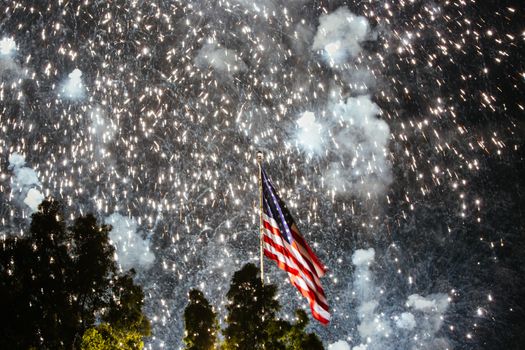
{"x": 292, "y": 261}
{"x": 283, "y": 243}
{"x": 307, "y": 251}
{"x": 289, "y": 265}
{"x": 304, "y": 289}
{"x": 319, "y": 313}
{"x": 271, "y": 225}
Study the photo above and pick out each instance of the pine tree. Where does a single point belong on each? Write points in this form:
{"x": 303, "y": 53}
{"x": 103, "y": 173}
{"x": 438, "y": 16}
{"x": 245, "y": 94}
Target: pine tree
{"x": 201, "y": 323}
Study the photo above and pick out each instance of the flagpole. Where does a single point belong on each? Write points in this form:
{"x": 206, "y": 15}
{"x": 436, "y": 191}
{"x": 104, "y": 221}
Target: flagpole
{"x": 260, "y": 158}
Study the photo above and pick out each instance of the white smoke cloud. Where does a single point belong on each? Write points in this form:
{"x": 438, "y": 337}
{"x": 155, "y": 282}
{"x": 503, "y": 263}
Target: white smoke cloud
{"x": 415, "y": 329}
{"x": 340, "y": 345}
{"x": 220, "y": 59}
{"x": 431, "y": 303}
{"x": 131, "y": 249}
{"x": 7, "y": 47}
{"x": 16, "y": 160}
{"x": 33, "y": 199}
{"x": 25, "y": 177}
{"x": 363, "y": 257}
{"x": 310, "y": 133}
{"x": 340, "y": 35}
{"x": 374, "y": 327}
{"x": 357, "y": 136}
{"x": 406, "y": 321}
{"x": 73, "y": 87}
{"x": 363, "y": 146}
{"x": 25, "y": 183}
{"x": 8, "y": 67}
{"x": 355, "y": 133}
{"x": 433, "y": 307}
{"x": 360, "y": 347}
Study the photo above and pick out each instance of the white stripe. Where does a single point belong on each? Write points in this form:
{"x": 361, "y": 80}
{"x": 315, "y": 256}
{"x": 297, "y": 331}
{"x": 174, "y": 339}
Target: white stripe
{"x": 280, "y": 256}
{"x": 285, "y": 244}
{"x": 318, "y": 268}
{"x": 323, "y": 312}
{"x": 303, "y": 251}
{"x": 279, "y": 241}
{"x": 303, "y": 283}
{"x": 314, "y": 305}
{"x": 312, "y": 283}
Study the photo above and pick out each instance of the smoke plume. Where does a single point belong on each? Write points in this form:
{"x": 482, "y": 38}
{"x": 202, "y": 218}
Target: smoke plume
{"x": 25, "y": 183}
{"x": 132, "y": 249}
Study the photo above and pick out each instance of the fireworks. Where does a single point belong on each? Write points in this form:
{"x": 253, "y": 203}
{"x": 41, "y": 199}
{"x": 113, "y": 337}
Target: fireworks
{"x": 384, "y": 122}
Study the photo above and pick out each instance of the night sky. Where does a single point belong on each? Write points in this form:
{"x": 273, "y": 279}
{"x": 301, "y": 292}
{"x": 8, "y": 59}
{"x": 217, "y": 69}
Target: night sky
{"x": 393, "y": 130}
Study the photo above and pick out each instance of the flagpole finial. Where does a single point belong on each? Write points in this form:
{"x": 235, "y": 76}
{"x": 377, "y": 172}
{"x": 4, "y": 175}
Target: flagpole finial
{"x": 260, "y": 156}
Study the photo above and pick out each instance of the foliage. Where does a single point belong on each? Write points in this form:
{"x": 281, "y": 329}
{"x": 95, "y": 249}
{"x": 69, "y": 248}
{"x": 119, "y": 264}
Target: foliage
{"x": 252, "y": 321}
{"x": 125, "y": 307}
{"x": 105, "y": 337}
{"x": 56, "y": 281}
{"x": 251, "y": 309}
{"x": 295, "y": 337}
{"x": 201, "y": 323}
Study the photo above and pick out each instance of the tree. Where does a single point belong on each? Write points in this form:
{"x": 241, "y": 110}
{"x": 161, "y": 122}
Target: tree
{"x": 125, "y": 325}
{"x": 295, "y": 337}
{"x": 251, "y": 309}
{"x": 125, "y": 306}
{"x": 201, "y": 323}
{"x": 105, "y": 337}
{"x": 252, "y": 321}
{"x": 56, "y": 281}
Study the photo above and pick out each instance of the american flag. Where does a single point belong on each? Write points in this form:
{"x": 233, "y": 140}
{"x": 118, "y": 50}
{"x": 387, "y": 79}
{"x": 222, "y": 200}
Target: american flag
{"x": 283, "y": 243}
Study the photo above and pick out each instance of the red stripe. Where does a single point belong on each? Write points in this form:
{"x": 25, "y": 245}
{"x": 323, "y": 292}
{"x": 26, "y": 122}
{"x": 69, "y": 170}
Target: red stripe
{"x": 286, "y": 254}
{"x": 285, "y": 251}
{"x": 307, "y": 295}
{"x": 281, "y": 264}
{"x": 306, "y": 252}
{"x": 298, "y": 238}
{"x": 275, "y": 230}
{"x": 315, "y": 314}
{"x": 301, "y": 273}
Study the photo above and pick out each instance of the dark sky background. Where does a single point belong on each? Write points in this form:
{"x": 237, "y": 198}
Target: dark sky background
{"x": 413, "y": 147}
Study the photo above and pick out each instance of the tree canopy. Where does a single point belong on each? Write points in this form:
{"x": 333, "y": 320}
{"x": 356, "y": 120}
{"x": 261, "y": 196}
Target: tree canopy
{"x": 56, "y": 282}
{"x": 201, "y": 323}
{"x": 251, "y": 310}
{"x": 251, "y": 321}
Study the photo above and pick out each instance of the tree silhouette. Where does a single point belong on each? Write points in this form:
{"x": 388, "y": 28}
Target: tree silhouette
{"x": 251, "y": 309}
{"x": 252, "y": 323}
{"x": 55, "y": 282}
{"x": 201, "y": 323}
{"x": 295, "y": 336}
